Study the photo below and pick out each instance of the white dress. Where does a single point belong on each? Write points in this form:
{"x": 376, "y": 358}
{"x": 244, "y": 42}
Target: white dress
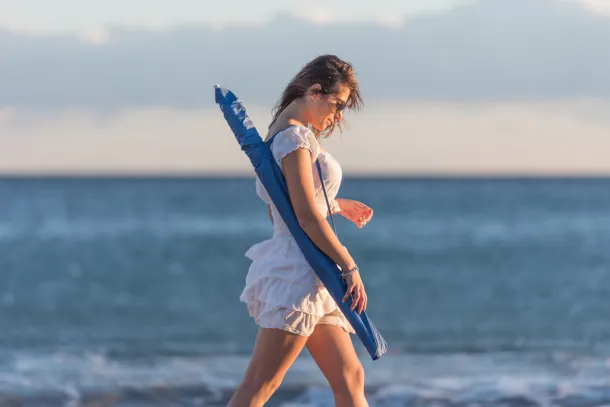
{"x": 282, "y": 291}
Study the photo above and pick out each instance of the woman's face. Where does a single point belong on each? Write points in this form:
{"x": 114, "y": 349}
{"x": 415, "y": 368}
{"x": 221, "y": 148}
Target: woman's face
{"x": 325, "y": 109}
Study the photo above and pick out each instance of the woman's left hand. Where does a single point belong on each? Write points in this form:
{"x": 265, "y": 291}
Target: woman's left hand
{"x": 355, "y": 211}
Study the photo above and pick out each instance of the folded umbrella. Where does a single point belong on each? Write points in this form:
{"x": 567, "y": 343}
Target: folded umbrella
{"x": 274, "y": 182}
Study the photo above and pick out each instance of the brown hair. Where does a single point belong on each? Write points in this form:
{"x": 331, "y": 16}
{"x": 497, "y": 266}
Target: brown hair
{"x": 329, "y": 71}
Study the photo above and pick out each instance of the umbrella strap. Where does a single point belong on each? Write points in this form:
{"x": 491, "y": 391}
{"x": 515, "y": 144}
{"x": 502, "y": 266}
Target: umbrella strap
{"x": 330, "y": 213}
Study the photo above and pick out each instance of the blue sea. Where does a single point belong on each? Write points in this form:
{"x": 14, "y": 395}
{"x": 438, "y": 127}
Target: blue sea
{"x": 124, "y": 292}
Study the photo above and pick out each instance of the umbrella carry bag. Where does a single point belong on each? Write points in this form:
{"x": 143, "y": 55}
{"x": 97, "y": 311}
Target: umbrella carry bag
{"x": 273, "y": 180}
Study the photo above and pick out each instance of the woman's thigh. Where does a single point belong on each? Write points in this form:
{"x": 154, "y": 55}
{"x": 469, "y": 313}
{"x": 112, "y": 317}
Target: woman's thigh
{"x": 274, "y": 352}
{"x": 333, "y": 351}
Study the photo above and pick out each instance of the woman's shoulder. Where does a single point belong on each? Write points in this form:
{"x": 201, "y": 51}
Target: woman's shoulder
{"x": 293, "y": 137}
{"x": 297, "y": 131}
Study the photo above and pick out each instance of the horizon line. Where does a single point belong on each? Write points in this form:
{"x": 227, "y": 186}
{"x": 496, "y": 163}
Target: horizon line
{"x": 355, "y": 176}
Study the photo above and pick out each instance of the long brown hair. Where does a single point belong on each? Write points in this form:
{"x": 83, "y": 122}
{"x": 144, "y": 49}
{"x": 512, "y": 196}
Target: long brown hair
{"x": 329, "y": 71}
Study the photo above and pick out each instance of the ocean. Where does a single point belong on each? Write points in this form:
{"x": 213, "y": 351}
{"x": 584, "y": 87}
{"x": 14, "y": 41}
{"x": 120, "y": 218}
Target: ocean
{"x": 124, "y": 292}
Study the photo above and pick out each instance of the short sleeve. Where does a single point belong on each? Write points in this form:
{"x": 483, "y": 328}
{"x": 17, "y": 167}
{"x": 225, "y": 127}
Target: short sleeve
{"x": 334, "y": 206}
{"x": 292, "y": 138}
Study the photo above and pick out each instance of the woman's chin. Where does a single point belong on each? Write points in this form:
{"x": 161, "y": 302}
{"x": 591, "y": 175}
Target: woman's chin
{"x": 325, "y": 125}
{"x": 319, "y": 128}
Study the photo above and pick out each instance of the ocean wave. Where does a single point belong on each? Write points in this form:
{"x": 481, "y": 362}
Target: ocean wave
{"x": 525, "y": 380}
{"x": 495, "y": 228}
{"x": 71, "y": 229}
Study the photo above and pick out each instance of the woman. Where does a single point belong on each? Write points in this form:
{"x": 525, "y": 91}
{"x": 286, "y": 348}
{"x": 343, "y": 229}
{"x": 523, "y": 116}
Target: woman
{"x": 283, "y": 294}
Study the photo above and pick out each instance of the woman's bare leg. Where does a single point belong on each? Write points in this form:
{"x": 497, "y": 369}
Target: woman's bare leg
{"x": 274, "y": 352}
{"x": 333, "y": 351}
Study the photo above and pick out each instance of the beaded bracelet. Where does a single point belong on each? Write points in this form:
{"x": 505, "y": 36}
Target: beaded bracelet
{"x": 350, "y": 271}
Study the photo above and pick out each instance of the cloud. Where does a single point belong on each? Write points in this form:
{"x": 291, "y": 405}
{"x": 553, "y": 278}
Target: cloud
{"x": 77, "y": 15}
{"x": 95, "y": 36}
{"x": 316, "y": 15}
{"x": 598, "y": 6}
{"x": 395, "y": 21}
{"x": 491, "y": 50}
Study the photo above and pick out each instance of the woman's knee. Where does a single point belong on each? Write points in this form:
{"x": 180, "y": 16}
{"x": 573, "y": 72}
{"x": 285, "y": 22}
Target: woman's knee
{"x": 350, "y": 381}
{"x": 261, "y": 383}
{"x": 261, "y": 389}
{"x": 274, "y": 352}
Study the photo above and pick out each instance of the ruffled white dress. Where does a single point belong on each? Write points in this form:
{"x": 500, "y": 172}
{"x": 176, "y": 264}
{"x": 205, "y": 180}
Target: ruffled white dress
{"x": 282, "y": 291}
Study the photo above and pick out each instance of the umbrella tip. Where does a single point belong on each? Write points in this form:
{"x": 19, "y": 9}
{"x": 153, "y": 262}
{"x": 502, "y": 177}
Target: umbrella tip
{"x": 217, "y": 86}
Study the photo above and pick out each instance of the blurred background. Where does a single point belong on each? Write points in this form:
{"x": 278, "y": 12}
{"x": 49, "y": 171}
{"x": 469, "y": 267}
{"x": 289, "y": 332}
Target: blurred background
{"x": 126, "y": 206}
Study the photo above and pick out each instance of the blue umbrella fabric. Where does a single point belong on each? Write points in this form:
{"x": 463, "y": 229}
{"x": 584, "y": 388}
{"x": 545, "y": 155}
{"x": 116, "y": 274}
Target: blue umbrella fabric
{"x": 274, "y": 182}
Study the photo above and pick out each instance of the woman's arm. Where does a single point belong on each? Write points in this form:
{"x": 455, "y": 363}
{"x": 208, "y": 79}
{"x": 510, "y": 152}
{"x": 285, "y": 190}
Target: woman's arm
{"x": 270, "y": 215}
{"x": 299, "y": 178}
{"x": 354, "y": 211}
{"x": 337, "y": 207}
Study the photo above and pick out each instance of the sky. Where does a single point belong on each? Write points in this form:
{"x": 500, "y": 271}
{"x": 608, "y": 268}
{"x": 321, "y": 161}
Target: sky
{"x": 450, "y": 87}
{"x": 67, "y": 15}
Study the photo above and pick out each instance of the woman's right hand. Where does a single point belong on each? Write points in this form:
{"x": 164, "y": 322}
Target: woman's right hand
{"x": 355, "y": 287}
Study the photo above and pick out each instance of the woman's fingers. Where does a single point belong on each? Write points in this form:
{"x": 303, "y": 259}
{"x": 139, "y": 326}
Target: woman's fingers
{"x": 356, "y": 299}
{"x": 356, "y": 289}
{"x": 360, "y": 300}
{"x": 365, "y": 215}
{"x": 363, "y": 302}
{"x": 349, "y": 291}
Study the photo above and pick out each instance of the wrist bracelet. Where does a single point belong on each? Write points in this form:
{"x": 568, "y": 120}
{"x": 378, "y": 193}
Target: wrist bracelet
{"x": 350, "y": 271}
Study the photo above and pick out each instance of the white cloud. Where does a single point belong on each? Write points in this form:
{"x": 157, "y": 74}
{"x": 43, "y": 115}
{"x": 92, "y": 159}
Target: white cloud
{"x": 599, "y": 6}
{"x": 29, "y": 32}
{"x": 471, "y": 53}
{"x": 317, "y": 15}
{"x": 97, "y": 36}
{"x": 94, "y": 35}
{"x": 394, "y": 21}
{"x": 75, "y": 15}
{"x": 596, "y": 6}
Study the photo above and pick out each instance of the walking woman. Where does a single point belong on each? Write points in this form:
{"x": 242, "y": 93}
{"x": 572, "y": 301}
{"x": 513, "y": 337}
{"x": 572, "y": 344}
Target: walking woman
{"x": 283, "y": 294}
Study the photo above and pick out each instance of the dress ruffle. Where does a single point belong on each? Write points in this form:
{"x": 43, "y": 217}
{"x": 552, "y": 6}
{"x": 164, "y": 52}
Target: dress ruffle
{"x": 281, "y": 257}
{"x": 280, "y": 276}
{"x": 282, "y": 291}
{"x": 297, "y": 322}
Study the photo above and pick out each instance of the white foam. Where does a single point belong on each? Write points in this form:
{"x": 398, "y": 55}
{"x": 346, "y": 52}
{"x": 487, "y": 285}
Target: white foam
{"x": 478, "y": 379}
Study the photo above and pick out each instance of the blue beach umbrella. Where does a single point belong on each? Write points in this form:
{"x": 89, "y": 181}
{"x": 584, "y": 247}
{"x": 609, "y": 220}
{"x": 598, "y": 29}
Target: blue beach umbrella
{"x": 274, "y": 182}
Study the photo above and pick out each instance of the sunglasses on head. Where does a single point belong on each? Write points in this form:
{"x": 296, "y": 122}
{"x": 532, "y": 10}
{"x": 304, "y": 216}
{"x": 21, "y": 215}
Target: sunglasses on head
{"x": 341, "y": 105}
